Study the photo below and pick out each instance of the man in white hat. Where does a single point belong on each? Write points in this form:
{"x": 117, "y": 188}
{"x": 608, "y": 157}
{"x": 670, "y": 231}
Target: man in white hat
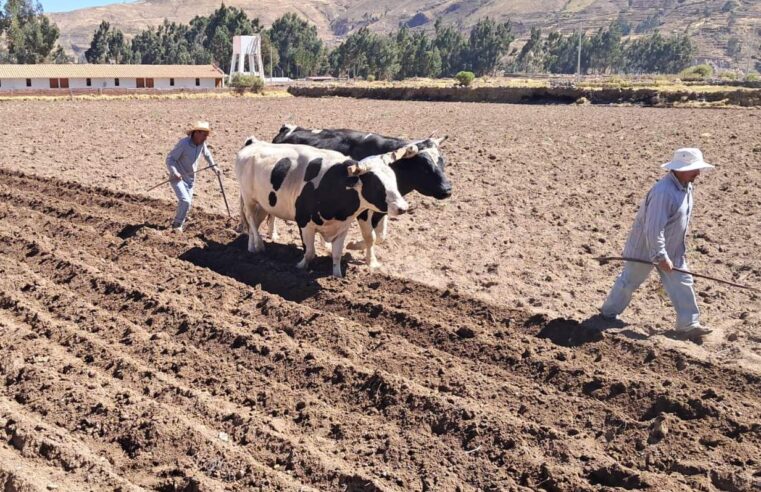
{"x": 182, "y": 163}
{"x": 658, "y": 236}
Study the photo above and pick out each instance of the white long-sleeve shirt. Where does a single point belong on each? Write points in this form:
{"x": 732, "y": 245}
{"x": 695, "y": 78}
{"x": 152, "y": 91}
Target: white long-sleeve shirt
{"x": 660, "y": 227}
{"x": 183, "y": 159}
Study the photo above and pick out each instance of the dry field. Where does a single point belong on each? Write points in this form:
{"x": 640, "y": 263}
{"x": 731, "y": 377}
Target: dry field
{"x": 132, "y": 358}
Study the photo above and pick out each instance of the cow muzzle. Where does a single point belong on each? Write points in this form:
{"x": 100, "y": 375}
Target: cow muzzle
{"x": 398, "y": 207}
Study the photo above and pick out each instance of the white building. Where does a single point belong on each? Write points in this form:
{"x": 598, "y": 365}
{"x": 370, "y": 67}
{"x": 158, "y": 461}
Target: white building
{"x": 97, "y": 76}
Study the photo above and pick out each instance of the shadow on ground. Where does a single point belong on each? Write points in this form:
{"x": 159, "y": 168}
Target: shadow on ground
{"x": 274, "y": 270}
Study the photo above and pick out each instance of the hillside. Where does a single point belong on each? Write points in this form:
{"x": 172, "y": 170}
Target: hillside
{"x": 712, "y": 23}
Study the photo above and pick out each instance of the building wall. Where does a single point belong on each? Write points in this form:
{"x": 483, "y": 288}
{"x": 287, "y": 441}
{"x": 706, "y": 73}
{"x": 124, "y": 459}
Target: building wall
{"x": 7, "y": 84}
{"x": 108, "y": 83}
{"x": 184, "y": 83}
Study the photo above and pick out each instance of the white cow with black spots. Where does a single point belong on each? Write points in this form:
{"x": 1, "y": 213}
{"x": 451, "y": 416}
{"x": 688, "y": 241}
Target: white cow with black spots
{"x": 321, "y": 190}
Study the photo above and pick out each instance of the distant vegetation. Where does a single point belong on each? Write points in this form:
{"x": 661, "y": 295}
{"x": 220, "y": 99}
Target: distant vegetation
{"x": 292, "y": 48}
{"x": 27, "y": 35}
{"x": 296, "y": 50}
{"x": 245, "y": 83}
{"x": 605, "y": 51}
{"x": 464, "y": 79}
{"x": 698, "y": 72}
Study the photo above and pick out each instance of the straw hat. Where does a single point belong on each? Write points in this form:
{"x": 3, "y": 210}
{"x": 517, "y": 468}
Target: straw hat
{"x": 199, "y": 126}
{"x": 687, "y": 160}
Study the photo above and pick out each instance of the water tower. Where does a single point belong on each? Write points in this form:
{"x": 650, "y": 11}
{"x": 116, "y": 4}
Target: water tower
{"x": 247, "y": 47}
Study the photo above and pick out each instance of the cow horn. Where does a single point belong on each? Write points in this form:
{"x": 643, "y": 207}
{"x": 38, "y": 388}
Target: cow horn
{"x": 441, "y": 140}
{"x": 434, "y": 133}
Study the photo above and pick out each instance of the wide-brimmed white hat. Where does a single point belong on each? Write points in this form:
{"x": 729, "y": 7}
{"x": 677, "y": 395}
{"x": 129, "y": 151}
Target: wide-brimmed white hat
{"x": 199, "y": 126}
{"x": 687, "y": 160}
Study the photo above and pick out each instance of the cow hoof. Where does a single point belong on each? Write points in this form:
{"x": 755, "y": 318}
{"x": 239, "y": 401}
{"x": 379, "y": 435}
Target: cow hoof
{"x": 302, "y": 265}
{"x": 374, "y": 264}
{"x": 337, "y": 273}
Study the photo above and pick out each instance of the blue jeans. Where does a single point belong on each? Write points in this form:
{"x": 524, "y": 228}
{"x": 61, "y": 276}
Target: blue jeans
{"x": 184, "y": 192}
{"x": 678, "y": 286}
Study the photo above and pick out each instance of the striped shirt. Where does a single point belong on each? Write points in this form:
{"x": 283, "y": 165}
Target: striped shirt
{"x": 660, "y": 227}
{"x": 183, "y": 159}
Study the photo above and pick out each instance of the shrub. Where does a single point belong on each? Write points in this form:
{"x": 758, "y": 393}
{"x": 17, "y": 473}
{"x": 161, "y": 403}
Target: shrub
{"x": 465, "y": 78}
{"x": 696, "y": 72}
{"x": 753, "y": 77}
{"x": 370, "y": 78}
{"x": 243, "y": 83}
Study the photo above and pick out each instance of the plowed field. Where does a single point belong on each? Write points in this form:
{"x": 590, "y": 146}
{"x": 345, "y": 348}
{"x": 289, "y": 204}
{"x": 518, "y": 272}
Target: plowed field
{"x": 133, "y": 358}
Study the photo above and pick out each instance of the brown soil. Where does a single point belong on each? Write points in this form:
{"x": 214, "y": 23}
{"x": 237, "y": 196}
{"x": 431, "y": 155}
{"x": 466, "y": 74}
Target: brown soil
{"x": 131, "y": 357}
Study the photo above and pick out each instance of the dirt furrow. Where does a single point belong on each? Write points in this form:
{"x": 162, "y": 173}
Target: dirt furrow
{"x": 435, "y": 411}
{"x": 123, "y": 420}
{"x": 174, "y": 368}
{"x": 490, "y": 346}
{"x": 618, "y": 409}
{"x": 35, "y": 447}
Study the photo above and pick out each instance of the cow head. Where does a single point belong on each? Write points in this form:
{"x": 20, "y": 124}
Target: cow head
{"x": 379, "y": 186}
{"x": 424, "y": 172}
{"x": 284, "y": 133}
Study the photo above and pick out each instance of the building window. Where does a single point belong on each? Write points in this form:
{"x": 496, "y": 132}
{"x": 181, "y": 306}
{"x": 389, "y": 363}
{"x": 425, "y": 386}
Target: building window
{"x": 116, "y": 82}
{"x": 29, "y": 82}
{"x": 171, "y": 82}
{"x": 198, "y": 82}
{"x": 88, "y": 82}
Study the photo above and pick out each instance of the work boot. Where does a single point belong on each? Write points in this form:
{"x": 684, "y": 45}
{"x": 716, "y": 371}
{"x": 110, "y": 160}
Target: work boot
{"x": 693, "y": 332}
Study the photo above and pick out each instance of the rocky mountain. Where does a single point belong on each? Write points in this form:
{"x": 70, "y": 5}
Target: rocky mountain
{"x": 727, "y": 32}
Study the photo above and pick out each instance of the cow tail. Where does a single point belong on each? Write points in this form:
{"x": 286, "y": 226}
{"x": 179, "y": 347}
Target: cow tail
{"x": 244, "y": 227}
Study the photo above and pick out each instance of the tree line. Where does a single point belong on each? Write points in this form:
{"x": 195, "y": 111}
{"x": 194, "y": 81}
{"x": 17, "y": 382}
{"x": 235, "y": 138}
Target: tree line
{"x": 604, "y": 51}
{"x": 291, "y": 47}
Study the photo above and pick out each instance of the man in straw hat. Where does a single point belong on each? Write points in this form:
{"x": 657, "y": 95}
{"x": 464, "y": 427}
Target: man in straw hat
{"x": 658, "y": 236}
{"x": 182, "y": 163}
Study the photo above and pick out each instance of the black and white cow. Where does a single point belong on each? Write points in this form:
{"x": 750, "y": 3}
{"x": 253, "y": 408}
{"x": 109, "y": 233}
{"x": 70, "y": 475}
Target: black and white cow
{"x": 321, "y": 190}
{"x": 423, "y": 173}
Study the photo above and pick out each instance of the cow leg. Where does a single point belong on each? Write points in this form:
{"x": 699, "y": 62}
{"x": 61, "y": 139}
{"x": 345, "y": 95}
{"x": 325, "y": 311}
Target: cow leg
{"x": 338, "y": 249}
{"x": 272, "y": 227}
{"x": 307, "y": 236}
{"x": 381, "y": 229}
{"x": 364, "y": 221}
{"x": 254, "y": 216}
{"x": 368, "y": 235}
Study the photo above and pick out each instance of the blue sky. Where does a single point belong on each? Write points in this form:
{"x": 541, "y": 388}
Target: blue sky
{"x": 66, "y": 5}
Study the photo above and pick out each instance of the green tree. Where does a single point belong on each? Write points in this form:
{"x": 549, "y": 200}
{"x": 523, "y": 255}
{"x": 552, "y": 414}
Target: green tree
{"x": 108, "y": 46}
{"x": 30, "y": 37}
{"x": 605, "y": 50}
{"x": 531, "y": 56}
{"x": 300, "y": 51}
{"x": 657, "y": 54}
{"x": 488, "y": 42}
{"x": 452, "y": 46}
{"x": 215, "y": 33}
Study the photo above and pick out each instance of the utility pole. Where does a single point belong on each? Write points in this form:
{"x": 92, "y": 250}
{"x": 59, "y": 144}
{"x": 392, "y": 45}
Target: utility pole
{"x": 578, "y": 58}
{"x": 270, "y": 61}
